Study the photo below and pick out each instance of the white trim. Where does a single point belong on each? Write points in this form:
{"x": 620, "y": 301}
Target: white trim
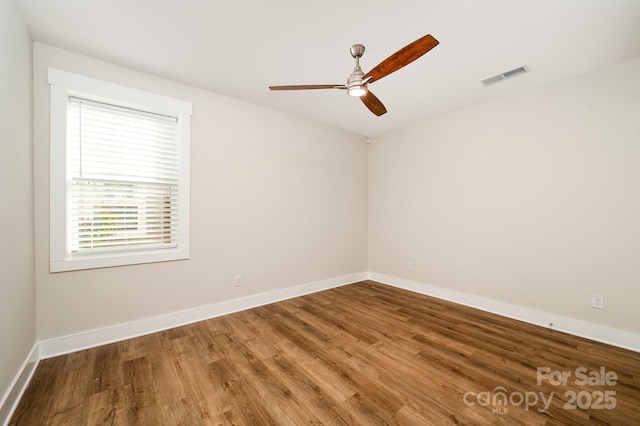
{"x": 89, "y": 339}
{"x": 11, "y": 398}
{"x": 58, "y": 173}
{"x": 597, "y": 332}
{"x": 105, "y": 91}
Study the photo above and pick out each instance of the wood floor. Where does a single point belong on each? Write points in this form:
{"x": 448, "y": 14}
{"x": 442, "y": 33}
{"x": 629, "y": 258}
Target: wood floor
{"x": 363, "y": 354}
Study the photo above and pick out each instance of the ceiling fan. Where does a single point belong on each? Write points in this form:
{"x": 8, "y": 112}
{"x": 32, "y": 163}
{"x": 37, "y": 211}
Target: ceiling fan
{"x": 358, "y": 82}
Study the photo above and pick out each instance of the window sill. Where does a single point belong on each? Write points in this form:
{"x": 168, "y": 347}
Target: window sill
{"x": 108, "y": 260}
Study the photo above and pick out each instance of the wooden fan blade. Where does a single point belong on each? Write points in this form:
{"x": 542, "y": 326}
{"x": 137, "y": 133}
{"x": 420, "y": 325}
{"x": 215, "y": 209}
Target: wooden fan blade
{"x": 402, "y": 57}
{"x": 373, "y": 103}
{"x": 309, "y": 87}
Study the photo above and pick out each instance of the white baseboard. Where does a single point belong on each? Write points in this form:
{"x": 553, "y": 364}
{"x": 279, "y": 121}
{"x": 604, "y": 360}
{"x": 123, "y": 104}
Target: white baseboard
{"x": 89, "y": 339}
{"x": 10, "y": 400}
{"x": 599, "y": 333}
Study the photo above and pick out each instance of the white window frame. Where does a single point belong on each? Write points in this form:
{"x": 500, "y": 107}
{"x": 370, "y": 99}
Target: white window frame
{"x": 64, "y": 84}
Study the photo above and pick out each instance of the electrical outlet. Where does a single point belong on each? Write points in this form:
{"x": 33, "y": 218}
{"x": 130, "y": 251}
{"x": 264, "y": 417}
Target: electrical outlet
{"x": 597, "y": 301}
{"x": 238, "y": 280}
{"x": 410, "y": 266}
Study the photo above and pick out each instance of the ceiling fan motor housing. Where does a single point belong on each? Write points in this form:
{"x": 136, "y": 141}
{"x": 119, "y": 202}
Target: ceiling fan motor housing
{"x": 355, "y": 87}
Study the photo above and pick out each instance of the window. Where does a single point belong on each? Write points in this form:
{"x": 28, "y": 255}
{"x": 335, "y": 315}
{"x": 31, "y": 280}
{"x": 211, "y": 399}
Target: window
{"x": 119, "y": 175}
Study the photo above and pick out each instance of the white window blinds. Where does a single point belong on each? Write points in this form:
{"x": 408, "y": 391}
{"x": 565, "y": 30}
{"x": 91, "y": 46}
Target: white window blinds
{"x": 123, "y": 173}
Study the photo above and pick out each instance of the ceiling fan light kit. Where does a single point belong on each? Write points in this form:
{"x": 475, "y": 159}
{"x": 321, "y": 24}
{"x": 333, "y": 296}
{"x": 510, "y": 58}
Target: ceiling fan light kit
{"x": 357, "y": 90}
{"x": 358, "y": 82}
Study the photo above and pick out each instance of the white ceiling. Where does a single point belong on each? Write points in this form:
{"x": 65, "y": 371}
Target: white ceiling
{"x": 238, "y": 48}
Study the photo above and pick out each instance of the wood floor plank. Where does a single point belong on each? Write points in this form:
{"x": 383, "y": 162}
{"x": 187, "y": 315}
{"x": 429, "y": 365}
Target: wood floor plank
{"x": 363, "y": 354}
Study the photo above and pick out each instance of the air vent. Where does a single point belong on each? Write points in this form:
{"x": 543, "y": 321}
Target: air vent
{"x": 504, "y": 76}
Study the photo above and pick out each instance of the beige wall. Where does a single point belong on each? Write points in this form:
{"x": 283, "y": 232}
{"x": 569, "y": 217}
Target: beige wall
{"x": 278, "y": 199}
{"x": 532, "y": 199}
{"x": 17, "y": 284}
